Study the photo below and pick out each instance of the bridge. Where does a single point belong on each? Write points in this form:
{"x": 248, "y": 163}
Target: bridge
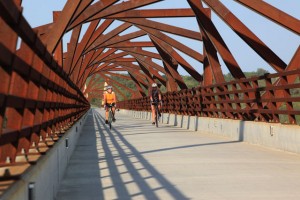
{"x": 220, "y": 139}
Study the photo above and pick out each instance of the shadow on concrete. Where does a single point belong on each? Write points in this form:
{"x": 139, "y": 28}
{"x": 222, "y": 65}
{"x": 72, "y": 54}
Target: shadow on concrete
{"x": 82, "y": 178}
{"x": 140, "y": 171}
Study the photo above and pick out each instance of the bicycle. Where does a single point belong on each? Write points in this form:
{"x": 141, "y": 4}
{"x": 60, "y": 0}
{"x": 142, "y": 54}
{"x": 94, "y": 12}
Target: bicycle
{"x": 156, "y": 112}
{"x": 110, "y": 115}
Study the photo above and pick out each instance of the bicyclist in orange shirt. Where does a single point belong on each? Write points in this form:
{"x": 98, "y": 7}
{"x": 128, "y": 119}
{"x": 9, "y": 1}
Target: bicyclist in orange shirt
{"x": 109, "y": 101}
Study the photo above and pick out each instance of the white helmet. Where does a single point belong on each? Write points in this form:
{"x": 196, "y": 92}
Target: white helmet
{"x": 154, "y": 85}
{"x": 108, "y": 87}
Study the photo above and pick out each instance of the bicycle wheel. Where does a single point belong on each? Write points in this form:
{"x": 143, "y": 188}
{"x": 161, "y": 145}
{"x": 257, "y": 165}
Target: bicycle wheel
{"x": 156, "y": 115}
{"x": 109, "y": 118}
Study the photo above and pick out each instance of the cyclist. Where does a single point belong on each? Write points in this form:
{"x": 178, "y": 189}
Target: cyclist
{"x": 109, "y": 100}
{"x": 155, "y": 98}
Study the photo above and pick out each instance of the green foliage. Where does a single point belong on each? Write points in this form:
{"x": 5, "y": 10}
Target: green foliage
{"x": 190, "y": 81}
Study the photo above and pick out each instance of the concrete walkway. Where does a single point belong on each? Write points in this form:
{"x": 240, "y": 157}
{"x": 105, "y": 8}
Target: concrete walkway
{"x": 135, "y": 160}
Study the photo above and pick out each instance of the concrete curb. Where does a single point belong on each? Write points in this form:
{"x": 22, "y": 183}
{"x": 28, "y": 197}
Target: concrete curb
{"x": 275, "y": 136}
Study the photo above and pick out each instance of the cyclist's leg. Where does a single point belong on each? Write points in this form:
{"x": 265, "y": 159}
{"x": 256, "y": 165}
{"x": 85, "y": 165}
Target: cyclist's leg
{"x": 113, "y": 109}
{"x": 106, "y": 113}
{"x": 153, "y": 113}
{"x": 159, "y": 109}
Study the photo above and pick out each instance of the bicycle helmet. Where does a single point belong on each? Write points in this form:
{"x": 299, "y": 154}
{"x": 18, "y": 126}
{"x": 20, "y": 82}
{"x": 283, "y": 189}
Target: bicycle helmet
{"x": 108, "y": 87}
{"x": 154, "y": 85}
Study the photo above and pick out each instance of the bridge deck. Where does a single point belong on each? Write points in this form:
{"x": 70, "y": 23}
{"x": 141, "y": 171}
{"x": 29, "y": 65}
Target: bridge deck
{"x": 138, "y": 161}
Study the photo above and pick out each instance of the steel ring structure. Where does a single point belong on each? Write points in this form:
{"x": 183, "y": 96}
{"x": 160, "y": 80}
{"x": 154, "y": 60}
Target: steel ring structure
{"x": 43, "y": 88}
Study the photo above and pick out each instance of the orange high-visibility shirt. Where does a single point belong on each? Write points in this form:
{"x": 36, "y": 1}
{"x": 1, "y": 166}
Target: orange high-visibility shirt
{"x": 110, "y": 97}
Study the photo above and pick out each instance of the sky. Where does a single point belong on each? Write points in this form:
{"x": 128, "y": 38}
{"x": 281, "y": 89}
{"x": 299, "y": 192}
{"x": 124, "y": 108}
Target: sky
{"x": 283, "y": 42}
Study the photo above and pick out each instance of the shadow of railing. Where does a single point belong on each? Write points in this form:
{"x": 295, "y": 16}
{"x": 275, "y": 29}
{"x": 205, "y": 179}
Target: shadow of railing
{"x": 118, "y": 150}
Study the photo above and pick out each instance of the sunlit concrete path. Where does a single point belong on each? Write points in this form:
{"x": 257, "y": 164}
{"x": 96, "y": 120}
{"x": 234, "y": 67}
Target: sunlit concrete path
{"x": 136, "y": 160}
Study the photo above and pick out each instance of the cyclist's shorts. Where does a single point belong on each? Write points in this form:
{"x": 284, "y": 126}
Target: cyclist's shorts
{"x": 155, "y": 102}
{"x": 110, "y": 104}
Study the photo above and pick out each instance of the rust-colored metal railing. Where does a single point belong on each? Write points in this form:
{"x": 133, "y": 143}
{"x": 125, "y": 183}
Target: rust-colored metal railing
{"x": 270, "y": 98}
{"x": 38, "y": 101}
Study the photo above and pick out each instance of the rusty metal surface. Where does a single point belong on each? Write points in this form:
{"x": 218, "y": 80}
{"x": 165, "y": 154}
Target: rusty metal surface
{"x": 44, "y": 90}
{"x": 228, "y": 100}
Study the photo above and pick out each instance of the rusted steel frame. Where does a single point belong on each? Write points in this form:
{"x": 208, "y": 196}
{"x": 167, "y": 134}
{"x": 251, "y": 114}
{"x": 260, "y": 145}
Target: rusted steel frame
{"x": 130, "y": 67}
{"x": 152, "y": 71}
{"x": 289, "y": 104}
{"x": 132, "y": 44}
{"x": 104, "y": 38}
{"x": 130, "y": 60}
{"x": 6, "y": 137}
{"x": 97, "y": 33}
{"x": 208, "y": 28}
{"x": 118, "y": 39}
{"x": 44, "y": 29}
{"x": 224, "y": 105}
{"x": 146, "y": 72}
{"x": 60, "y": 26}
{"x": 235, "y": 98}
{"x": 18, "y": 23}
{"x": 137, "y": 85}
{"x": 148, "y": 62}
{"x": 85, "y": 4}
{"x": 9, "y": 41}
{"x": 112, "y": 81}
{"x": 98, "y": 54}
{"x": 72, "y": 46}
{"x": 83, "y": 43}
{"x": 206, "y": 24}
{"x": 92, "y": 81}
{"x": 165, "y": 27}
{"x": 141, "y": 78}
{"x": 272, "y": 13}
{"x": 169, "y": 50}
{"x": 20, "y": 67}
{"x": 154, "y": 13}
{"x": 74, "y": 74}
{"x": 122, "y": 7}
{"x": 209, "y": 94}
{"x": 294, "y": 64}
{"x": 270, "y": 94}
{"x": 254, "y": 89}
{"x": 87, "y": 72}
{"x": 58, "y": 56}
{"x": 96, "y": 85}
{"x": 247, "y": 80}
{"x": 215, "y": 71}
{"x": 140, "y": 51}
{"x": 170, "y": 65}
{"x": 114, "y": 56}
{"x": 247, "y": 35}
{"x": 207, "y": 70}
{"x": 253, "y": 111}
{"x": 213, "y": 60}
{"x": 83, "y": 66}
{"x": 16, "y": 118}
{"x": 174, "y": 43}
{"x": 110, "y": 67}
{"x": 101, "y": 68}
{"x": 172, "y": 86}
{"x": 91, "y": 11}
